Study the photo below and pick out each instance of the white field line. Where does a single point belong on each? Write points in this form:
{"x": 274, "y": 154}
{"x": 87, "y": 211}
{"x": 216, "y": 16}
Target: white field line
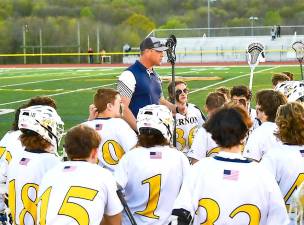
{"x": 197, "y": 90}
{"x": 233, "y": 78}
{"x": 20, "y": 74}
{"x": 66, "y": 78}
{"x": 62, "y": 93}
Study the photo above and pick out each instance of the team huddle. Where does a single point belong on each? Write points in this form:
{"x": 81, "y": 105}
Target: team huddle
{"x": 131, "y": 164}
{"x": 223, "y": 186}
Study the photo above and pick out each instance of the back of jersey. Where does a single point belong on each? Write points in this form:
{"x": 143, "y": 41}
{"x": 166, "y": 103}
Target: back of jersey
{"x": 286, "y": 163}
{"x": 117, "y": 137}
{"x": 151, "y": 178}
{"x": 232, "y": 192}
{"x": 77, "y": 192}
{"x": 25, "y": 173}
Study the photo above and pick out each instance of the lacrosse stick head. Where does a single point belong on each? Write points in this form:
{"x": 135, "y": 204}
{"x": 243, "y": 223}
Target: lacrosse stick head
{"x": 298, "y": 47}
{"x": 254, "y": 52}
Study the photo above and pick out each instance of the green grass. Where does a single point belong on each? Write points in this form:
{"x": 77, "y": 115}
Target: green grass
{"x": 73, "y": 88}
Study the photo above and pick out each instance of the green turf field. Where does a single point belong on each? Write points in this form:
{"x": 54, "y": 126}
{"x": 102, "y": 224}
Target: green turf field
{"x": 73, "y": 88}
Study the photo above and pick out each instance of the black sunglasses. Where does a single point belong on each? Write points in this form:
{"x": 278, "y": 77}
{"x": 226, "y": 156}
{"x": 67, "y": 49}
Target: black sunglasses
{"x": 179, "y": 91}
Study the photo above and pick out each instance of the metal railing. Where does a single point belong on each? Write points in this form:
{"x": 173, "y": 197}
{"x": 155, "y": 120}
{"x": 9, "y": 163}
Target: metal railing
{"x": 226, "y": 31}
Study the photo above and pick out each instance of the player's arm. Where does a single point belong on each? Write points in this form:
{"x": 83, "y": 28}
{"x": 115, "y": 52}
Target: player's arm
{"x": 111, "y": 220}
{"x": 277, "y": 213}
{"x": 197, "y": 151}
{"x": 252, "y": 148}
{"x": 113, "y": 207}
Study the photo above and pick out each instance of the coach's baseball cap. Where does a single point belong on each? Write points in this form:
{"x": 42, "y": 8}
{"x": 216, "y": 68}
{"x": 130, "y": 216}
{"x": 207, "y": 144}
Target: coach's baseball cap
{"x": 152, "y": 43}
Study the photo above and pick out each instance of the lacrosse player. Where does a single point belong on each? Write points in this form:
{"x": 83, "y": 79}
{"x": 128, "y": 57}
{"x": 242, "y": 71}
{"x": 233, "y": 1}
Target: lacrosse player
{"x": 278, "y": 78}
{"x": 262, "y": 138}
{"x": 79, "y": 191}
{"x": 187, "y": 122}
{"x": 10, "y": 142}
{"x": 228, "y": 188}
{"x": 242, "y": 95}
{"x": 152, "y": 173}
{"x": 287, "y": 161}
{"x": 42, "y": 130}
{"x": 225, "y": 91}
{"x": 203, "y": 144}
{"x": 293, "y": 90}
{"x": 10, "y": 145}
{"x": 289, "y": 74}
{"x": 117, "y": 136}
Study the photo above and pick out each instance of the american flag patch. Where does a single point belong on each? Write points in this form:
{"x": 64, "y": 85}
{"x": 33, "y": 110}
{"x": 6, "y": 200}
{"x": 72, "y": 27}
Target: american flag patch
{"x": 302, "y": 152}
{"x": 155, "y": 155}
{"x": 69, "y": 168}
{"x": 24, "y": 161}
{"x": 231, "y": 175}
{"x": 98, "y": 126}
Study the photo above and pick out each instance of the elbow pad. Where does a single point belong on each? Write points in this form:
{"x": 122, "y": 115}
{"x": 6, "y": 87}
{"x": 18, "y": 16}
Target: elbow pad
{"x": 180, "y": 217}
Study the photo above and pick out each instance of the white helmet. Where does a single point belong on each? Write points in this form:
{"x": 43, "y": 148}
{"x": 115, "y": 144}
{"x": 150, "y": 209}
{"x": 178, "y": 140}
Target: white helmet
{"x": 158, "y": 117}
{"x": 43, "y": 120}
{"x": 293, "y": 90}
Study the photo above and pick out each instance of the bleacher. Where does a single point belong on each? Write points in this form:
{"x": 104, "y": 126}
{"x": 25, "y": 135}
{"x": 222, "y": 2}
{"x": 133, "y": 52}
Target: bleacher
{"x": 202, "y": 49}
{"x": 232, "y": 49}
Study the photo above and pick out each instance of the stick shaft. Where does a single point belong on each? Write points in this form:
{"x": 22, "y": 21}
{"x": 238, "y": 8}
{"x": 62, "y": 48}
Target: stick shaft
{"x": 301, "y": 67}
{"x": 126, "y": 207}
{"x": 251, "y": 78}
{"x": 174, "y": 94}
{"x": 250, "y": 85}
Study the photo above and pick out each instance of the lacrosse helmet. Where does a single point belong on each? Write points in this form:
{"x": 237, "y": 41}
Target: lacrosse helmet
{"x": 293, "y": 90}
{"x": 43, "y": 120}
{"x": 157, "y": 117}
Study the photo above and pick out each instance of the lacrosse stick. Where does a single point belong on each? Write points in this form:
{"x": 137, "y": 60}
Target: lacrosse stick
{"x": 125, "y": 205}
{"x": 171, "y": 44}
{"x": 254, "y": 53}
{"x": 298, "y": 47}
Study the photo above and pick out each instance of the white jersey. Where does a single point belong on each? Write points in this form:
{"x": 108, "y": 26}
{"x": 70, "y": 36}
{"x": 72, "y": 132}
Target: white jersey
{"x": 117, "y": 137}
{"x": 11, "y": 142}
{"x": 151, "y": 178}
{"x": 203, "y": 145}
{"x": 9, "y": 145}
{"x": 77, "y": 192}
{"x": 11, "y": 138}
{"x": 229, "y": 189}
{"x": 25, "y": 173}
{"x": 255, "y": 120}
{"x": 186, "y": 127}
{"x": 260, "y": 141}
{"x": 286, "y": 163}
